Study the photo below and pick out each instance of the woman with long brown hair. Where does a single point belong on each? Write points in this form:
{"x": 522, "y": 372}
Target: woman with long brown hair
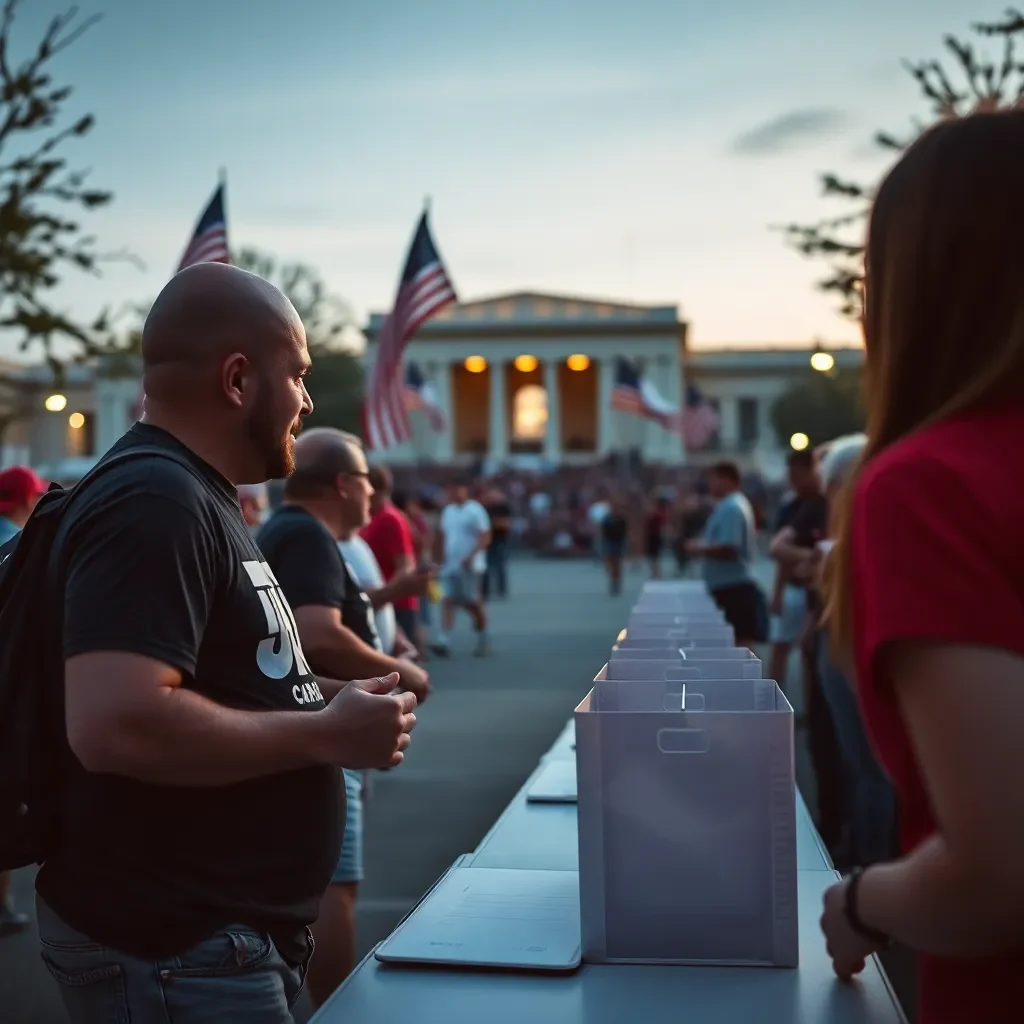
{"x": 926, "y": 595}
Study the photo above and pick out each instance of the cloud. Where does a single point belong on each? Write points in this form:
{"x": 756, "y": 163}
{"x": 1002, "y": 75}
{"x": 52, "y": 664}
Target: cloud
{"x": 788, "y": 131}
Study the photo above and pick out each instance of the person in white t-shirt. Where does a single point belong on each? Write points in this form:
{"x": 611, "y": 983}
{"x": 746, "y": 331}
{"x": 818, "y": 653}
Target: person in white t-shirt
{"x": 466, "y": 531}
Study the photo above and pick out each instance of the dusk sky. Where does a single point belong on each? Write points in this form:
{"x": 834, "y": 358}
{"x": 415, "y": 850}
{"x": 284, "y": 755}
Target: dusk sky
{"x": 636, "y": 151}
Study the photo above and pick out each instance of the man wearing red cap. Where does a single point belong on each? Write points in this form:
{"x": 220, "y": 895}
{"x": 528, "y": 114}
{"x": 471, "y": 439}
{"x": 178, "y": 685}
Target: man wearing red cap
{"x": 19, "y": 491}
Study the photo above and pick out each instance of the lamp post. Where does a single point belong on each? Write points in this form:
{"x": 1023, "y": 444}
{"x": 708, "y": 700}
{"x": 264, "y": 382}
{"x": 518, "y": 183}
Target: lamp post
{"x": 822, "y": 361}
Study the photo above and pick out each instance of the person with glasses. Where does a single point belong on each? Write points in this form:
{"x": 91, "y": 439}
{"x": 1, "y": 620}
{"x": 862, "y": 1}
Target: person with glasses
{"x": 326, "y": 500}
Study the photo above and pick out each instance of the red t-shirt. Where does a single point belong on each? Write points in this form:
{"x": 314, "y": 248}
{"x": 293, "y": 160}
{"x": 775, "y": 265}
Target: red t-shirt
{"x": 937, "y": 554}
{"x": 389, "y": 537}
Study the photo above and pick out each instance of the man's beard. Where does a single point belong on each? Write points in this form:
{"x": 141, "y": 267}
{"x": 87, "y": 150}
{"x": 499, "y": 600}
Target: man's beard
{"x": 276, "y": 451}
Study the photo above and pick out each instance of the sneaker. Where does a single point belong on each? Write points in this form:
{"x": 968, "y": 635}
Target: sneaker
{"x": 441, "y": 650}
{"x": 11, "y": 921}
{"x": 482, "y": 650}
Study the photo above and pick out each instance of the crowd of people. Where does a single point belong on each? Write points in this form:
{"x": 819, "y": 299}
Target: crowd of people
{"x": 230, "y": 677}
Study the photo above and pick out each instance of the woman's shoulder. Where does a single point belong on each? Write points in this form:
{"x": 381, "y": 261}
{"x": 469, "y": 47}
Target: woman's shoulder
{"x": 964, "y": 464}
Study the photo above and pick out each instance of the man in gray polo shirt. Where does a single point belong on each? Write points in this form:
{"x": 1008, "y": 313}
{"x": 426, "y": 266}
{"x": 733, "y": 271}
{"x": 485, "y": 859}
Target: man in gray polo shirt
{"x": 728, "y": 549}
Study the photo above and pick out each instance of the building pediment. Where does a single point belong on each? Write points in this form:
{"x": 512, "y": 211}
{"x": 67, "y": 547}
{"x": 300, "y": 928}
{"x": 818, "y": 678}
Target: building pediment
{"x": 540, "y": 310}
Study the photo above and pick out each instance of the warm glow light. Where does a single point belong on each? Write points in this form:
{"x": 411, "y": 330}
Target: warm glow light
{"x": 526, "y": 364}
{"x": 76, "y": 421}
{"x": 56, "y": 403}
{"x": 475, "y": 364}
{"x": 798, "y": 442}
{"x": 578, "y": 362}
{"x": 822, "y": 361}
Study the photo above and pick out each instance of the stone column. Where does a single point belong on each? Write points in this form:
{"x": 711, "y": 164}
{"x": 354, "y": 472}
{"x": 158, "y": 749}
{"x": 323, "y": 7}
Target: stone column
{"x": 729, "y": 416}
{"x": 675, "y": 449}
{"x": 497, "y": 442}
{"x": 766, "y": 439}
{"x": 553, "y": 432}
{"x": 443, "y": 441}
{"x": 606, "y": 439}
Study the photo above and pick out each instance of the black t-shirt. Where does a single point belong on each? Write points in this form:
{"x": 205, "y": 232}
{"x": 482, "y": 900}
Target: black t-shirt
{"x": 786, "y": 512}
{"x": 809, "y": 521}
{"x": 499, "y": 510}
{"x": 310, "y": 569}
{"x": 159, "y": 563}
{"x": 613, "y": 528}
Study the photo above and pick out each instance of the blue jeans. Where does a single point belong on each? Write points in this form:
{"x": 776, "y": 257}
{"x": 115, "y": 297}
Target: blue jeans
{"x": 872, "y": 802}
{"x": 234, "y": 977}
{"x": 497, "y": 569}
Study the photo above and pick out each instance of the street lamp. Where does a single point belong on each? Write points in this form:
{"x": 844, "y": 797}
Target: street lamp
{"x": 56, "y": 403}
{"x": 799, "y": 442}
{"x": 822, "y": 361}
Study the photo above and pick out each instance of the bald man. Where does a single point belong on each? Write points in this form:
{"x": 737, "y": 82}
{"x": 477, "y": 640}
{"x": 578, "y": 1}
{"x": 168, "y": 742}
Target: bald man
{"x": 326, "y": 499}
{"x": 202, "y": 807}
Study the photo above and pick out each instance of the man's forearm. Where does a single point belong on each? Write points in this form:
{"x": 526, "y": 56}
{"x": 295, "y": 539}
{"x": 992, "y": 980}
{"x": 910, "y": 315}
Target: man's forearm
{"x": 930, "y": 903}
{"x": 180, "y": 738}
{"x": 395, "y": 589}
{"x": 342, "y": 655}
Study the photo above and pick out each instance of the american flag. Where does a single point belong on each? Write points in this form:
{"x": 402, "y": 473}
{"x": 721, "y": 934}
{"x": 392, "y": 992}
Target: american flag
{"x": 420, "y": 394}
{"x": 209, "y": 243}
{"x": 634, "y": 394}
{"x": 423, "y": 291}
{"x": 700, "y": 419}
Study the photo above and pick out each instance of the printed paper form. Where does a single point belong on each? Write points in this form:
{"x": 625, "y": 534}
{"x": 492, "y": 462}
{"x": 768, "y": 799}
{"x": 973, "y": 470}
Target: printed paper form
{"x": 494, "y": 917}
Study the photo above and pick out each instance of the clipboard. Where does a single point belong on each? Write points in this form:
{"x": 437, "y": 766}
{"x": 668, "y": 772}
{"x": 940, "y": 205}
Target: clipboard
{"x": 508, "y": 918}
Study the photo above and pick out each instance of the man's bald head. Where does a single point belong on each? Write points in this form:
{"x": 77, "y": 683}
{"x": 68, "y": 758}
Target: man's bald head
{"x": 224, "y": 360}
{"x": 211, "y": 310}
{"x": 321, "y": 456}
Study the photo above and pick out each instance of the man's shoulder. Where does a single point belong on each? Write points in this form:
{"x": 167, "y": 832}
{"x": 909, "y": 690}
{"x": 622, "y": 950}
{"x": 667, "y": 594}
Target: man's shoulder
{"x": 290, "y": 523}
{"x": 127, "y": 477}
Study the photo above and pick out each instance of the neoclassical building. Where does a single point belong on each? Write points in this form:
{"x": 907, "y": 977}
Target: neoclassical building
{"x": 528, "y": 376}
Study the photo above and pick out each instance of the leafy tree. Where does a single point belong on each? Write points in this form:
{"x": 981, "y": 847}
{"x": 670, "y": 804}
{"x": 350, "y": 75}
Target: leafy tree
{"x": 977, "y": 83}
{"x": 821, "y": 405}
{"x": 40, "y": 239}
{"x": 336, "y": 383}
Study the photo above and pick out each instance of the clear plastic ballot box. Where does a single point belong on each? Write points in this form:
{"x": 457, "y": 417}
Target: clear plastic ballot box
{"x": 705, "y": 631}
{"x": 687, "y": 823}
{"x": 648, "y": 618}
{"x": 655, "y": 646}
{"x": 666, "y": 588}
{"x": 679, "y": 604}
{"x": 678, "y": 670}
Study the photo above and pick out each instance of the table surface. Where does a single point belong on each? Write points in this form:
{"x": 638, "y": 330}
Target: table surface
{"x": 544, "y": 836}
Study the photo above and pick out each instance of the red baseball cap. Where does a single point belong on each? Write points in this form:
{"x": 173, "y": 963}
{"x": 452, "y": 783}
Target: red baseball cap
{"x": 18, "y": 486}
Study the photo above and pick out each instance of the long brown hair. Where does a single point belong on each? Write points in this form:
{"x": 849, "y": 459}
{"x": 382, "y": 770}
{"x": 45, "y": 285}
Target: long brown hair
{"x": 944, "y": 299}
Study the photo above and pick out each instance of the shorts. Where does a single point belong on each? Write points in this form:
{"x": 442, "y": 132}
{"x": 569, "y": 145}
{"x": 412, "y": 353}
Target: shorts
{"x": 350, "y": 862}
{"x": 462, "y": 587}
{"x": 408, "y": 620}
{"x": 742, "y": 606}
{"x": 614, "y": 548}
{"x": 788, "y": 626}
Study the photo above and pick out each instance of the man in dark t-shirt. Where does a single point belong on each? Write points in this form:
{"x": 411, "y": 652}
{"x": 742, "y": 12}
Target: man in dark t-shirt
{"x": 500, "y": 514}
{"x": 327, "y": 498}
{"x": 200, "y": 820}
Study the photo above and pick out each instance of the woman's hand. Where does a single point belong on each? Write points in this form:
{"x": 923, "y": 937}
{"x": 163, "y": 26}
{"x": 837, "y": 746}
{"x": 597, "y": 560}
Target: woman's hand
{"x": 847, "y": 947}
